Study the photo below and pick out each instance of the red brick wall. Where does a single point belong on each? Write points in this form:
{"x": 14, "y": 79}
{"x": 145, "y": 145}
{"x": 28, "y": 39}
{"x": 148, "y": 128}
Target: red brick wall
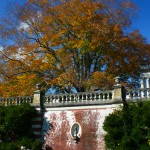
{"x": 58, "y": 123}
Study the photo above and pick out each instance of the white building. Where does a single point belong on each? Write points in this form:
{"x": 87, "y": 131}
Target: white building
{"x": 145, "y": 80}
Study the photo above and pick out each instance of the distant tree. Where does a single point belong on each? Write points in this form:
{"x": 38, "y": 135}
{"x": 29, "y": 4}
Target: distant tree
{"x": 69, "y": 44}
{"x": 128, "y": 128}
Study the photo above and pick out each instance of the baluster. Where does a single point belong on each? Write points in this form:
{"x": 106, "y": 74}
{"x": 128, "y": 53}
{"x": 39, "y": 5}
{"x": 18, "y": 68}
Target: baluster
{"x": 20, "y": 100}
{"x": 82, "y": 95}
{"x": 24, "y": 99}
{"x": 138, "y": 93}
{"x": 67, "y": 98}
{"x": 4, "y": 102}
{"x": 7, "y": 102}
{"x": 28, "y": 99}
{"x": 94, "y": 96}
{"x": 49, "y": 99}
{"x": 53, "y": 99}
{"x": 134, "y": 94}
{"x": 110, "y": 96}
{"x": 32, "y": 100}
{"x": 88, "y": 97}
{"x": 78, "y": 97}
{"x": 145, "y": 93}
{"x": 130, "y": 95}
{"x": 148, "y": 92}
{"x": 62, "y": 97}
{"x": 75, "y": 98}
{"x": 142, "y": 93}
{"x": 57, "y": 99}
{"x": 105, "y": 96}
{"x": 11, "y": 101}
{"x": 17, "y": 101}
{"x": 99, "y": 96}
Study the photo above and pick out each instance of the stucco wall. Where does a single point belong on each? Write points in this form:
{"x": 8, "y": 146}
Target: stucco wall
{"x": 57, "y": 125}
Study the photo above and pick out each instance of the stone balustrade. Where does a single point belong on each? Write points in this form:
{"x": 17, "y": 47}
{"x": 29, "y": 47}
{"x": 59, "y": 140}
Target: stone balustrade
{"x": 15, "y": 100}
{"x": 141, "y": 93}
{"x": 84, "y": 97}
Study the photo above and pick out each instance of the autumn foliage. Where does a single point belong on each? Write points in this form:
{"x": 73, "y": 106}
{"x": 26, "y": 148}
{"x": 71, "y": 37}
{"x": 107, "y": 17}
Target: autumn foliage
{"x": 69, "y": 45}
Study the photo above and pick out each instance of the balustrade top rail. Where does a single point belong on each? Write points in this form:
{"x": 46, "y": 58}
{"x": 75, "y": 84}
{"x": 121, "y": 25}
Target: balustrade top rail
{"x": 15, "y": 100}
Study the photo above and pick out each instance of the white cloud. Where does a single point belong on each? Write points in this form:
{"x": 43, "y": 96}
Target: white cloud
{"x": 23, "y": 26}
{"x": 1, "y": 48}
{"x": 19, "y": 54}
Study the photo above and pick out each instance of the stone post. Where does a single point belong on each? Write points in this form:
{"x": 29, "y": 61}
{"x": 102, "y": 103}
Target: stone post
{"x": 119, "y": 91}
{"x": 37, "y": 96}
{"x": 147, "y": 82}
{"x": 142, "y": 83}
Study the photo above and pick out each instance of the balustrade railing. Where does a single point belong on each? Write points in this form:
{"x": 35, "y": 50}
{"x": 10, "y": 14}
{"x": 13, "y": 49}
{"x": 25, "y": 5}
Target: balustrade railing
{"x": 78, "y": 97}
{"x": 138, "y": 93}
{"x": 99, "y": 97}
{"x": 15, "y": 100}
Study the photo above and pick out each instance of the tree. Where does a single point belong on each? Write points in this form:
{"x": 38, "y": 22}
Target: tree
{"x": 128, "y": 128}
{"x": 71, "y": 44}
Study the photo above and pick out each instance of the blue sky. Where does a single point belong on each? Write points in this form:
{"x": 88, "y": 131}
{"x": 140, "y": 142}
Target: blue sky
{"x": 142, "y": 22}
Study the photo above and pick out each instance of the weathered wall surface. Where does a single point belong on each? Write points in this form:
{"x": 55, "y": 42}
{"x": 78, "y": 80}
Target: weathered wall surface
{"x": 57, "y": 125}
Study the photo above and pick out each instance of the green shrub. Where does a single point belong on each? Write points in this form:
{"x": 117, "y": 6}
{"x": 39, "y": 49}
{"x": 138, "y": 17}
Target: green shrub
{"x": 129, "y": 127}
{"x": 16, "y": 128}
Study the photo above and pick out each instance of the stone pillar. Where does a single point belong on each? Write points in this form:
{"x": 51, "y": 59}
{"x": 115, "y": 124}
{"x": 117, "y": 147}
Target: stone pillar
{"x": 142, "y": 87}
{"x": 142, "y": 83}
{"x": 37, "y": 96}
{"x": 119, "y": 91}
{"x": 147, "y": 82}
{"x": 147, "y": 87}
